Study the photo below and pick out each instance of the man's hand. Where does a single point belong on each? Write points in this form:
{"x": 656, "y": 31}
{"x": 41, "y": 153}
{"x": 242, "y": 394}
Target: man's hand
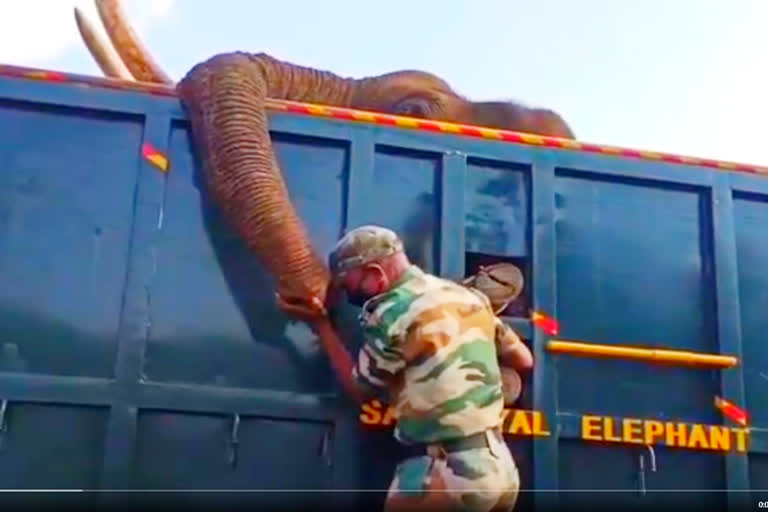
{"x": 511, "y": 385}
{"x": 517, "y": 356}
{"x": 309, "y": 311}
{"x": 513, "y": 353}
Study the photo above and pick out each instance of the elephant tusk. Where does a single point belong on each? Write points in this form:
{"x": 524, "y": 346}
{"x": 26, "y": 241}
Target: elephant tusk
{"x": 103, "y": 53}
{"x": 128, "y": 45}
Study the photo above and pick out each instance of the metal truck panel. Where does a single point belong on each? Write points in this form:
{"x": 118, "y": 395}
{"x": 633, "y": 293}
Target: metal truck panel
{"x": 133, "y": 319}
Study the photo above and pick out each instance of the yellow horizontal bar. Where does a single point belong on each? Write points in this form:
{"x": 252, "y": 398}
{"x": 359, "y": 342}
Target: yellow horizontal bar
{"x": 678, "y": 357}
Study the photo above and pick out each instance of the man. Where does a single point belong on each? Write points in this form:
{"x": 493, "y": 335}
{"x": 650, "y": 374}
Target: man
{"x": 432, "y": 349}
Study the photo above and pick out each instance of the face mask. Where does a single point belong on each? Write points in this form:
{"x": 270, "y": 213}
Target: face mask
{"x": 357, "y": 299}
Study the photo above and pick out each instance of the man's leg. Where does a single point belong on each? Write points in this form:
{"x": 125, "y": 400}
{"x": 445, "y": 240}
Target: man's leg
{"x": 418, "y": 485}
{"x": 480, "y": 480}
{"x": 484, "y": 480}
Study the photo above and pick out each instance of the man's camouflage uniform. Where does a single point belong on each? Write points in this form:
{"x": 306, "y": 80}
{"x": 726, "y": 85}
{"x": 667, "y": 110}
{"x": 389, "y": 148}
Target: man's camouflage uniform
{"x": 431, "y": 347}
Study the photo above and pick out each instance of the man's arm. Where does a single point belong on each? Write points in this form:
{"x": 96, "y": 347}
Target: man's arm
{"x": 315, "y": 314}
{"x": 377, "y": 364}
{"x": 341, "y": 360}
{"x": 512, "y": 351}
{"x": 378, "y": 361}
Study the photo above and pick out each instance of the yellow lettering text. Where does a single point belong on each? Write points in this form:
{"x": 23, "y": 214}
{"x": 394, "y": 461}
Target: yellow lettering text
{"x": 609, "y": 429}
{"x": 539, "y": 428}
{"x": 698, "y": 437}
{"x": 676, "y": 434}
{"x": 719, "y": 438}
{"x": 520, "y": 423}
{"x": 653, "y": 430}
{"x": 590, "y": 428}
{"x": 741, "y": 439}
{"x": 371, "y": 414}
{"x": 600, "y": 428}
{"x": 389, "y": 416}
{"x": 632, "y": 430}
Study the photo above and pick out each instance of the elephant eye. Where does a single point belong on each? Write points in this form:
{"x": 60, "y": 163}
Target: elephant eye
{"x": 413, "y": 107}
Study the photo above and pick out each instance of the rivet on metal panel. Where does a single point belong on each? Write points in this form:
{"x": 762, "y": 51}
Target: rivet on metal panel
{"x": 3, "y": 422}
{"x": 234, "y": 441}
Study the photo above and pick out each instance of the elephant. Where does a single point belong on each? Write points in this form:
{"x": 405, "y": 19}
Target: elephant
{"x": 224, "y": 97}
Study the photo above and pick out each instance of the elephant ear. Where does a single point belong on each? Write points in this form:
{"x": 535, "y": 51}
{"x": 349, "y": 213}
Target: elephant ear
{"x": 519, "y": 118}
{"x": 552, "y": 124}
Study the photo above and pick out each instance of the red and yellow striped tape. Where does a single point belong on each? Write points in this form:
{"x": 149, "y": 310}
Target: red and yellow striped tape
{"x": 396, "y": 121}
{"x": 155, "y": 157}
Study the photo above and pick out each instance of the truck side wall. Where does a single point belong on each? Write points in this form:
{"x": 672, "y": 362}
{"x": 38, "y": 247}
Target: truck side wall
{"x": 137, "y": 333}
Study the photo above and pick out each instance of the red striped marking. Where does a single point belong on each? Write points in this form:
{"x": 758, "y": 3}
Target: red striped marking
{"x": 154, "y": 156}
{"x": 390, "y": 120}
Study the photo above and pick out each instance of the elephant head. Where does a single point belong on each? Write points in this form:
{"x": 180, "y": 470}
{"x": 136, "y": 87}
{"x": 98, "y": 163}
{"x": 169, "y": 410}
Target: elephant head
{"x": 225, "y": 96}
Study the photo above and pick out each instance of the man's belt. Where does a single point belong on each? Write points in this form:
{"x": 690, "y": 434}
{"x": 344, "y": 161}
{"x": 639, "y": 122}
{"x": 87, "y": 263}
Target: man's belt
{"x": 471, "y": 442}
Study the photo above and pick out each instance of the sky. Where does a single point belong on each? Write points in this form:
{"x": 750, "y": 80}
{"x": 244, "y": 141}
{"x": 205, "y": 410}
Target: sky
{"x": 681, "y": 76}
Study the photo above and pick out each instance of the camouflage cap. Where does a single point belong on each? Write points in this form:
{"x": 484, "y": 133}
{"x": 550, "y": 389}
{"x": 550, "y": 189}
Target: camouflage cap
{"x": 363, "y": 245}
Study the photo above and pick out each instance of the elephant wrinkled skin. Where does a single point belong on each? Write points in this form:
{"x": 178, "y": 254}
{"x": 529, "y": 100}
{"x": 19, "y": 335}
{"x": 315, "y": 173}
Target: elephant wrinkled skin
{"x": 224, "y": 97}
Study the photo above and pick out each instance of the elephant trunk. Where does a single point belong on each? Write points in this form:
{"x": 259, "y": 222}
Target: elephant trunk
{"x": 224, "y": 97}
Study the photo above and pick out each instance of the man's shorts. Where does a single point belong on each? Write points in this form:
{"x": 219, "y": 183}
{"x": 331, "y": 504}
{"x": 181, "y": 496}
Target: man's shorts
{"x": 474, "y": 480}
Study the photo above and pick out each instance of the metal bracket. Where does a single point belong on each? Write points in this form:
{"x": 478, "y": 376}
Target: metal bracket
{"x": 234, "y": 441}
{"x": 653, "y": 457}
{"x": 325, "y": 451}
{"x": 641, "y": 473}
{"x": 3, "y": 422}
